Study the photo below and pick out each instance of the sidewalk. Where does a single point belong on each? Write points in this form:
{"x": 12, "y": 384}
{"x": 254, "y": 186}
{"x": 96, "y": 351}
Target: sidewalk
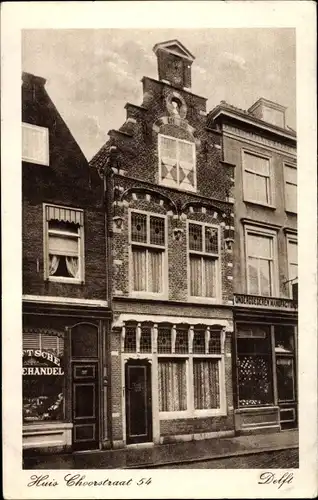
{"x": 157, "y": 455}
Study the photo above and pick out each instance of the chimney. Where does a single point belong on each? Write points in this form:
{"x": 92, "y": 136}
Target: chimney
{"x": 174, "y": 63}
{"x": 269, "y": 112}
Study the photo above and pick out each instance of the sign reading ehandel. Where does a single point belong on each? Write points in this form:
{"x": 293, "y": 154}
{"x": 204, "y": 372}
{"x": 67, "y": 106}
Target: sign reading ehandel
{"x": 32, "y": 359}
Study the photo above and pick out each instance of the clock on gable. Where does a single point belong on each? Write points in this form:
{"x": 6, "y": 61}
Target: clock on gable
{"x": 174, "y": 63}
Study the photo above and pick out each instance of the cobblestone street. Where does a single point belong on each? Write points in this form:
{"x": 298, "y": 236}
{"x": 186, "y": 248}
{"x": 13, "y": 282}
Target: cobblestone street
{"x": 284, "y": 459}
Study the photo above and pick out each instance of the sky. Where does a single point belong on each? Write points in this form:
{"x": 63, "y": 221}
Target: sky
{"x": 91, "y": 74}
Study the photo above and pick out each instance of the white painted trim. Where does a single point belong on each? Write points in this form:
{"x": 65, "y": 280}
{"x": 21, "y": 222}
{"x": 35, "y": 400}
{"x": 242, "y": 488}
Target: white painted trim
{"x": 47, "y": 299}
{"x": 290, "y": 238}
{"x": 294, "y": 166}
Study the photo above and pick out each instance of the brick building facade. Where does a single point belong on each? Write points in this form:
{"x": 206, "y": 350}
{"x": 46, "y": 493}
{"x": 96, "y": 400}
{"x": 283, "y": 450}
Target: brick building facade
{"x": 66, "y": 310}
{"x": 262, "y": 150}
{"x": 172, "y": 264}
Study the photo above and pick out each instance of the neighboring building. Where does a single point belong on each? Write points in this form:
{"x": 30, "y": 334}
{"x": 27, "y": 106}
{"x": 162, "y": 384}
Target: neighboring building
{"x": 263, "y": 150}
{"x": 66, "y": 313}
{"x": 172, "y": 264}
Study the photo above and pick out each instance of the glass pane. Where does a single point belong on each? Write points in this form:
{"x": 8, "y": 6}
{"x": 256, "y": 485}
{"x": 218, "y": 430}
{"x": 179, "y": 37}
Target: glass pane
{"x": 199, "y": 342}
{"x": 291, "y": 197}
{"x": 265, "y": 277}
{"x": 182, "y": 340}
{"x": 66, "y": 267}
{"x": 195, "y": 237}
{"x": 63, "y": 245}
{"x": 259, "y": 246}
{"x": 249, "y": 189}
{"x": 255, "y": 380}
{"x": 139, "y": 269}
{"x": 285, "y": 378}
{"x": 253, "y": 287}
{"x": 168, "y": 148}
{"x": 34, "y": 143}
{"x": 292, "y": 252}
{"x": 155, "y": 271}
{"x": 157, "y": 231}
{"x": 215, "y": 342}
{"x": 145, "y": 339}
{"x": 43, "y": 377}
{"x": 164, "y": 340}
{"x": 195, "y": 276}
{"x": 84, "y": 341}
{"x": 172, "y": 385}
{"x": 261, "y": 189}
{"x": 256, "y": 164}
{"x": 284, "y": 339}
{"x": 290, "y": 174}
{"x": 210, "y": 278}
{"x": 211, "y": 240}
{"x": 139, "y": 227}
{"x": 206, "y": 384}
{"x": 186, "y": 152}
{"x": 130, "y": 339}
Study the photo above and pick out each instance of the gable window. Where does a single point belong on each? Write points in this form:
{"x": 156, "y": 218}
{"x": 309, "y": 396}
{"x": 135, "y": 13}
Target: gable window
{"x": 35, "y": 144}
{"x": 177, "y": 163}
{"x": 290, "y": 173}
{"x": 64, "y": 245}
{"x": 260, "y": 263}
{"x": 204, "y": 260}
{"x": 257, "y": 179}
{"x": 292, "y": 267}
{"x": 148, "y": 247}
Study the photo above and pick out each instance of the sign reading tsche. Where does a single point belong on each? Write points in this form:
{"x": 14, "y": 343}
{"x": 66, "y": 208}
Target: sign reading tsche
{"x": 42, "y": 370}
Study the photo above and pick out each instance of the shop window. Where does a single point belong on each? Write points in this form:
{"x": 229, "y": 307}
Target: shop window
{"x": 261, "y": 271}
{"x": 254, "y": 366}
{"x": 148, "y": 249}
{"x": 177, "y": 164}
{"x": 43, "y": 377}
{"x": 290, "y": 173}
{"x": 285, "y": 356}
{"x": 35, "y": 144}
{"x": 204, "y": 260}
{"x": 257, "y": 179}
{"x": 63, "y": 246}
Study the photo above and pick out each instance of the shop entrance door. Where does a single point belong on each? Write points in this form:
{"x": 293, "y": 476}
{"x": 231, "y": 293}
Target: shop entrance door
{"x": 85, "y": 405}
{"x": 138, "y": 401}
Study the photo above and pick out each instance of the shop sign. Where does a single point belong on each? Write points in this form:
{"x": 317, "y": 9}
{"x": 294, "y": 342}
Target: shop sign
{"x": 33, "y": 363}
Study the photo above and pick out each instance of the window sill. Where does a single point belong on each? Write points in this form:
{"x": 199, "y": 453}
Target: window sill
{"x": 204, "y": 300}
{"x": 177, "y": 188}
{"x": 175, "y": 415}
{"x": 71, "y": 281}
{"x": 291, "y": 212}
{"x": 150, "y": 296}
{"x": 264, "y": 205}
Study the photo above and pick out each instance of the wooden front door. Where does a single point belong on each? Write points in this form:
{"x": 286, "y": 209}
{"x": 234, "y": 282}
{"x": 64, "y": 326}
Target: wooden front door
{"x": 138, "y": 401}
{"x": 85, "y": 405}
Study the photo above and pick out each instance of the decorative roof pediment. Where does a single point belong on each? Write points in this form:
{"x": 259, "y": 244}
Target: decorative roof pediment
{"x": 174, "y": 47}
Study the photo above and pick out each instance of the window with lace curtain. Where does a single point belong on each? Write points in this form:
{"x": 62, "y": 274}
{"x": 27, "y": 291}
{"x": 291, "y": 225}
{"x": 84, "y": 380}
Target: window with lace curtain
{"x": 148, "y": 249}
{"x": 63, "y": 246}
{"x": 203, "y": 260}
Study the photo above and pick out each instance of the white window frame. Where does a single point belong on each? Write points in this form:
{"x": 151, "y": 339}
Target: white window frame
{"x": 177, "y": 185}
{"x": 291, "y": 239}
{"x": 81, "y": 246}
{"x": 294, "y": 166}
{"x": 191, "y": 412}
{"x": 263, "y": 232}
{"x": 270, "y": 177}
{"x": 45, "y": 133}
{"x": 204, "y": 254}
{"x": 164, "y": 252}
